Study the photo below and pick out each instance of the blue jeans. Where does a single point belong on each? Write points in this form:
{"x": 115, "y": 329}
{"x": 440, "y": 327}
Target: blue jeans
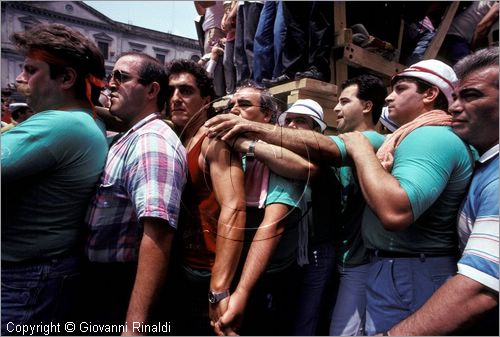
{"x": 246, "y": 26}
{"x": 40, "y": 292}
{"x": 315, "y": 277}
{"x": 397, "y": 287}
{"x": 268, "y": 42}
{"x": 348, "y": 317}
{"x": 229, "y": 69}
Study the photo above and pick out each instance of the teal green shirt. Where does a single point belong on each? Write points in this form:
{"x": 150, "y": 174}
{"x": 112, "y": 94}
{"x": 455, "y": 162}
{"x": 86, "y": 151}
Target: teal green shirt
{"x": 283, "y": 191}
{"x": 434, "y": 167}
{"x": 350, "y": 249}
{"x": 50, "y": 166}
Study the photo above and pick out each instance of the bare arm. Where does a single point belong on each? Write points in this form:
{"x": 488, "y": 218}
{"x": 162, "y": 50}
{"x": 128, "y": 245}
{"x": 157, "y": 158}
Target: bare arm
{"x": 459, "y": 302}
{"x": 382, "y": 191}
{"x": 308, "y": 144}
{"x": 228, "y": 184}
{"x": 480, "y": 36}
{"x": 261, "y": 250}
{"x": 154, "y": 254}
{"x": 280, "y": 160}
{"x": 228, "y": 20}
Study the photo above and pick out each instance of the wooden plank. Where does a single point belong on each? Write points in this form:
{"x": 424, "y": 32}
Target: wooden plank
{"x": 309, "y": 83}
{"x": 343, "y": 37}
{"x": 339, "y": 25}
{"x": 339, "y": 21}
{"x": 325, "y": 104}
{"x": 359, "y": 57}
{"x": 437, "y": 41}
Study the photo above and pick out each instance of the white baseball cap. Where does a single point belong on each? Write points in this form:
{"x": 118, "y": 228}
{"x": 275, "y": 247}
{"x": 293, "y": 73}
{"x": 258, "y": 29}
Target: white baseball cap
{"x": 433, "y": 72}
{"x": 305, "y": 107}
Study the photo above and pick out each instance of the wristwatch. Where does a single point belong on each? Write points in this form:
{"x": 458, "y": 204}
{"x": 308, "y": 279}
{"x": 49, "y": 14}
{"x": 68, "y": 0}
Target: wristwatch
{"x": 214, "y": 297}
{"x": 251, "y": 150}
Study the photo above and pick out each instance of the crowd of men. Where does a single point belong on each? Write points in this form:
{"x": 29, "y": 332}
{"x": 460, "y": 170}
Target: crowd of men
{"x": 286, "y": 229}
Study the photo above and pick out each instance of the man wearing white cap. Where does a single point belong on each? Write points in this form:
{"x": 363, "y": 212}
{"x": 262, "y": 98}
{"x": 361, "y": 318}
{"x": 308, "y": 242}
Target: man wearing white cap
{"x": 470, "y": 299}
{"x": 413, "y": 186}
{"x": 304, "y": 114}
{"x": 316, "y": 251}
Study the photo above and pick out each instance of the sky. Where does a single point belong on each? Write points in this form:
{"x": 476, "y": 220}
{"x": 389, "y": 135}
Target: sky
{"x": 174, "y": 17}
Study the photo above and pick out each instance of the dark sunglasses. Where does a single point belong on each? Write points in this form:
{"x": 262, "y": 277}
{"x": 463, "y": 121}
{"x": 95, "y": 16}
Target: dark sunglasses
{"x": 243, "y": 104}
{"x": 122, "y": 77}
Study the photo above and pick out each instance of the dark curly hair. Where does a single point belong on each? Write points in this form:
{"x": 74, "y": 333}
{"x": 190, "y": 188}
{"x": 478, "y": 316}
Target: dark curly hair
{"x": 204, "y": 82}
{"x": 370, "y": 88}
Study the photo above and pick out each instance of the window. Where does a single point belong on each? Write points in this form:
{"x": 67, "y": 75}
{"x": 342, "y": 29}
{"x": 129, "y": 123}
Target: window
{"x": 104, "y": 48}
{"x": 103, "y": 42}
{"x": 161, "y": 54}
{"x": 161, "y": 58}
{"x": 28, "y": 21}
{"x": 137, "y": 47}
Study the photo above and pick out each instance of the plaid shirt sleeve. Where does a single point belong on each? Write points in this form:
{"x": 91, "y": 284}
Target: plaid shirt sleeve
{"x": 156, "y": 177}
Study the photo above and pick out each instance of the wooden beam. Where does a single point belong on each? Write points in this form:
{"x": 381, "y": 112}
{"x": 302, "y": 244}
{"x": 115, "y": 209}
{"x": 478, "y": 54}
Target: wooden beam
{"x": 359, "y": 57}
{"x": 437, "y": 41}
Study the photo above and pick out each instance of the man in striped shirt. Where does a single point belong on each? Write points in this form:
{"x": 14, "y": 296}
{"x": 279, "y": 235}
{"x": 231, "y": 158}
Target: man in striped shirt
{"x": 469, "y": 300}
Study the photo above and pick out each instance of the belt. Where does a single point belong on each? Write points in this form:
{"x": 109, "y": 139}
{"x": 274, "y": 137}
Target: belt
{"x": 392, "y": 254}
{"x": 40, "y": 260}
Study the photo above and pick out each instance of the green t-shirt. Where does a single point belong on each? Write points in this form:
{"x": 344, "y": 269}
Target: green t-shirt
{"x": 434, "y": 167}
{"x": 50, "y": 166}
{"x": 284, "y": 191}
{"x": 350, "y": 249}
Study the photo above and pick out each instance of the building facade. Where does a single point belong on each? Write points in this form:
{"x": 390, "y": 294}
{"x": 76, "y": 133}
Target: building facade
{"x": 112, "y": 37}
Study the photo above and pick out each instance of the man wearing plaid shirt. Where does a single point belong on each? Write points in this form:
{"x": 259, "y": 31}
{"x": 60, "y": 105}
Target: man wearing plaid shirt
{"x": 133, "y": 216}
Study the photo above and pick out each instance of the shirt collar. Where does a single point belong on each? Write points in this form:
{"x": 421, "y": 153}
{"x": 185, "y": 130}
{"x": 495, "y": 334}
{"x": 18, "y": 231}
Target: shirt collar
{"x": 137, "y": 126}
{"x": 143, "y": 121}
{"x": 489, "y": 154}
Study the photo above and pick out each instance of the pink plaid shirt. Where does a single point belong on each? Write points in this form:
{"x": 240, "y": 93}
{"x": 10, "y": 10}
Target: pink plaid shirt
{"x": 144, "y": 176}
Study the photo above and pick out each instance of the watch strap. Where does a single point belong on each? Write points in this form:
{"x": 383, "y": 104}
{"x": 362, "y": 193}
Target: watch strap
{"x": 251, "y": 150}
{"x": 216, "y": 297}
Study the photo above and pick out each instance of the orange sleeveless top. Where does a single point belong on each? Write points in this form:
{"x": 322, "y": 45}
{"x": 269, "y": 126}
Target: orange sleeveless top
{"x": 199, "y": 214}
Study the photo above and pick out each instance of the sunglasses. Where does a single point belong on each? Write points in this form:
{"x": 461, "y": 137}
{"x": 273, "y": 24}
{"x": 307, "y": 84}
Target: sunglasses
{"x": 242, "y": 104}
{"x": 122, "y": 77}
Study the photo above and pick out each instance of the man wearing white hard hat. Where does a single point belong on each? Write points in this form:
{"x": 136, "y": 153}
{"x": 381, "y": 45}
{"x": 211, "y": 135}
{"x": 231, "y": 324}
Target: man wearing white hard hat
{"x": 469, "y": 300}
{"x": 413, "y": 186}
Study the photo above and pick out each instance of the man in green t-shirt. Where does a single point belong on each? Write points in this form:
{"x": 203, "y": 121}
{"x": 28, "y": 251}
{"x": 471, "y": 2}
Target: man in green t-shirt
{"x": 413, "y": 187}
{"x": 50, "y": 166}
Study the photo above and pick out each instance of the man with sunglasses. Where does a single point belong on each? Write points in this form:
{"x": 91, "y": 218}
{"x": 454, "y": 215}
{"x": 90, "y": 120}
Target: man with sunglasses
{"x": 50, "y": 165}
{"x": 261, "y": 302}
{"x": 134, "y": 214}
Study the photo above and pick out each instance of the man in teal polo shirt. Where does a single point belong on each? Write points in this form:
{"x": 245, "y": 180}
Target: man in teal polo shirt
{"x": 413, "y": 186}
